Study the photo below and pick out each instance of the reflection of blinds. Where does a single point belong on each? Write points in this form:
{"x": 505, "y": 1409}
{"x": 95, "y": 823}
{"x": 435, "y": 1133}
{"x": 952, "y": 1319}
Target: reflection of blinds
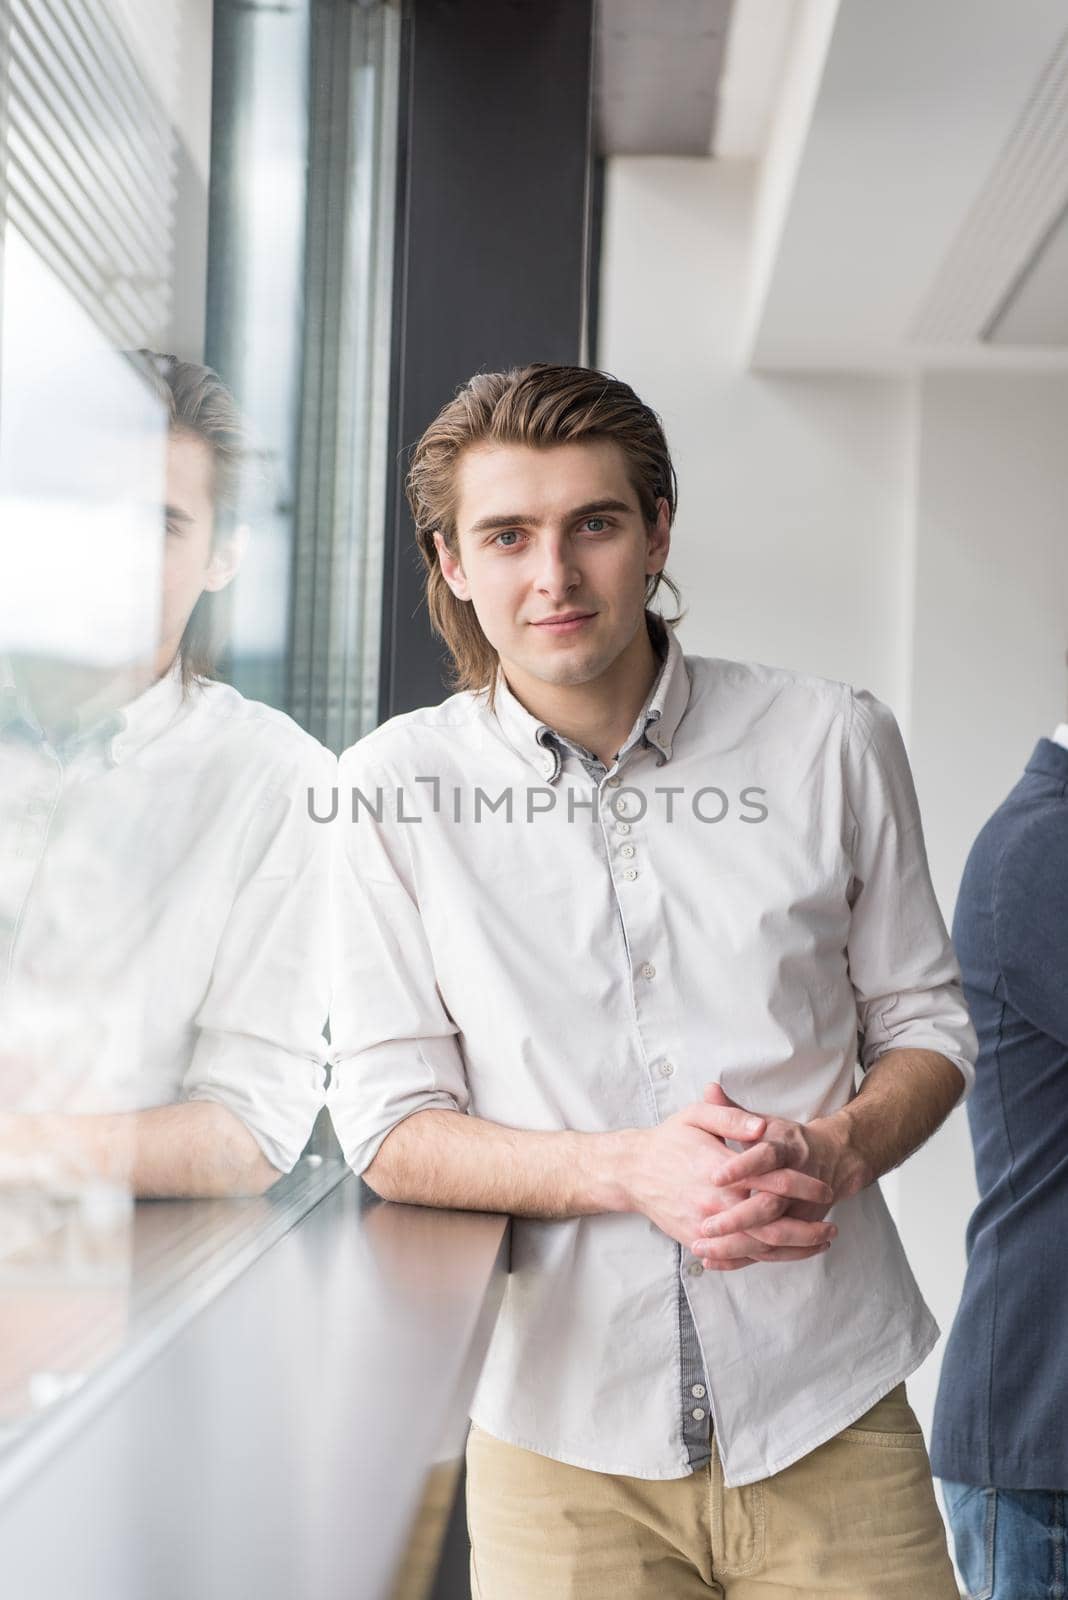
{"x": 91, "y": 162}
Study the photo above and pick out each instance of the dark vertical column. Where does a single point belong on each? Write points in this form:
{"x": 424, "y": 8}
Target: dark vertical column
{"x": 491, "y": 261}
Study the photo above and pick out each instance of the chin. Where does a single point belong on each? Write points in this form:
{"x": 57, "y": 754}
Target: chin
{"x": 567, "y": 674}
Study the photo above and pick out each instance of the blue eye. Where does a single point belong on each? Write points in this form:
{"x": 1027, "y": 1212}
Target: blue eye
{"x": 508, "y": 533}
{"x": 596, "y": 524}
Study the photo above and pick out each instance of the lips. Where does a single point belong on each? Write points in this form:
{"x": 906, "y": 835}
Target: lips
{"x": 568, "y": 622}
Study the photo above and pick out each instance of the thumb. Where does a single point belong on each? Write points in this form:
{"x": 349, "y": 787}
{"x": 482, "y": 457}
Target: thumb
{"x": 716, "y": 1095}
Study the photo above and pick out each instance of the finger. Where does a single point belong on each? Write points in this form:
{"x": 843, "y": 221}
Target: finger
{"x": 753, "y": 1212}
{"x": 781, "y": 1180}
{"x": 726, "y": 1122}
{"x": 713, "y": 1252}
{"x": 716, "y": 1095}
{"x": 797, "y": 1185}
{"x": 730, "y": 1266}
{"x": 804, "y": 1211}
{"x": 764, "y": 1253}
{"x": 762, "y": 1158}
{"x": 787, "y": 1253}
{"x": 794, "y": 1231}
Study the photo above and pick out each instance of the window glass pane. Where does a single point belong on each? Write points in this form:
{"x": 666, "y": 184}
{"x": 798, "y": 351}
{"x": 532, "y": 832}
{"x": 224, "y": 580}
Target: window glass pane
{"x": 181, "y": 183}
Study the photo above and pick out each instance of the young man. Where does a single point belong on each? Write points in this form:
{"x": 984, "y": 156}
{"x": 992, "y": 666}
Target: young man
{"x": 163, "y": 988}
{"x": 999, "y": 1441}
{"x": 636, "y": 915}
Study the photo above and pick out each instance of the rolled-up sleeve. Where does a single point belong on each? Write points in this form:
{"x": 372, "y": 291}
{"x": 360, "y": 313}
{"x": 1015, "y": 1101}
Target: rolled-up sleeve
{"x": 260, "y": 1047}
{"x": 902, "y": 965}
{"x": 394, "y": 1047}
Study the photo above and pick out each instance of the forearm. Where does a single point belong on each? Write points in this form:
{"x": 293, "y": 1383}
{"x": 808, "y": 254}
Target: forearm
{"x": 198, "y": 1149}
{"x": 445, "y": 1158}
{"x": 901, "y": 1102}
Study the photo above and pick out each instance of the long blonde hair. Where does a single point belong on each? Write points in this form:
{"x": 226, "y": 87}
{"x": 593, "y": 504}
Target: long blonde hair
{"x": 538, "y": 405}
{"x": 198, "y": 404}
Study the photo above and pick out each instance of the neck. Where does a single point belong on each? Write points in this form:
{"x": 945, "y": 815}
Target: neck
{"x": 598, "y": 714}
{"x": 58, "y": 691}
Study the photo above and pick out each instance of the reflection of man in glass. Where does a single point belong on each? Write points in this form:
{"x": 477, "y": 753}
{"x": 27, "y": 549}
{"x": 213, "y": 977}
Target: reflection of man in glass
{"x": 161, "y": 999}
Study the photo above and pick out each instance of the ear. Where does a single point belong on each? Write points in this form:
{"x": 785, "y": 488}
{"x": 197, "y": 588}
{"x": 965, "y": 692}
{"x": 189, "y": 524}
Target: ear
{"x": 658, "y": 539}
{"x": 226, "y": 559}
{"x": 451, "y": 570}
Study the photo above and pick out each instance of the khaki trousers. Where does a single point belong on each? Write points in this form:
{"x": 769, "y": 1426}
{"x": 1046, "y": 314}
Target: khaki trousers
{"x": 855, "y": 1518}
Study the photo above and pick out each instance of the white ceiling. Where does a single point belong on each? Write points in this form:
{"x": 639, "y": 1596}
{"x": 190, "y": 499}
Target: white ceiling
{"x": 1036, "y": 313}
{"x": 758, "y": 44}
{"x": 910, "y": 207}
{"x": 657, "y": 66}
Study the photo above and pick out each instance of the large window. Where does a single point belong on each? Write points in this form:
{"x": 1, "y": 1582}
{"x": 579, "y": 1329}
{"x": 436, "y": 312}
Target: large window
{"x": 299, "y": 301}
{"x": 213, "y": 184}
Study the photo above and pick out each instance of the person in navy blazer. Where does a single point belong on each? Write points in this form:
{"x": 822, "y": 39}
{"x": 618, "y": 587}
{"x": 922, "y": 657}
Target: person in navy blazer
{"x": 1000, "y": 1436}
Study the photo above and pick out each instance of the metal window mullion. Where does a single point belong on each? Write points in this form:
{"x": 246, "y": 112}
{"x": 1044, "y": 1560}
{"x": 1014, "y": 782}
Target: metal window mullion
{"x": 360, "y": 593}
{"x": 335, "y": 556}
{"x": 315, "y": 531}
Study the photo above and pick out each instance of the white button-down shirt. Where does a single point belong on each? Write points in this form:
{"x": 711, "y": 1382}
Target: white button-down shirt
{"x": 162, "y": 911}
{"x": 775, "y": 924}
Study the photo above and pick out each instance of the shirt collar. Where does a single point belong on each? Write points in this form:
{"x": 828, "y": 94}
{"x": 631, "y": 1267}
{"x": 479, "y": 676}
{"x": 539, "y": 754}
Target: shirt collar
{"x": 1050, "y": 759}
{"x": 656, "y": 723}
{"x": 1060, "y": 734}
{"x": 122, "y": 730}
{"x": 153, "y": 711}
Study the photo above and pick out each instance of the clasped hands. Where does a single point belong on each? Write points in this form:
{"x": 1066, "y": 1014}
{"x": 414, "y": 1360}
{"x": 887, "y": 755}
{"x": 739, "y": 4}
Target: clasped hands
{"x": 765, "y": 1203}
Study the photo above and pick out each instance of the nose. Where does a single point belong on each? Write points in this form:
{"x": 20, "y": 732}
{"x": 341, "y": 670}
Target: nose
{"x": 557, "y": 573}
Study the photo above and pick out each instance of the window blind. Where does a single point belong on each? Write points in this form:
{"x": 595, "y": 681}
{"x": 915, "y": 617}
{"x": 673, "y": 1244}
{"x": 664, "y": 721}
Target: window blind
{"x": 91, "y": 160}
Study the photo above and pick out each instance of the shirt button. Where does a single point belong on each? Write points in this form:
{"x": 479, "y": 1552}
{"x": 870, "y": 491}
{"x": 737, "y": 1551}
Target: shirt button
{"x": 648, "y": 970}
{"x": 666, "y": 1070}
{"x": 698, "y": 1391}
{"x": 614, "y": 783}
{"x": 697, "y": 1414}
{"x": 695, "y": 1269}
{"x": 631, "y": 873}
{"x": 622, "y": 827}
{"x": 627, "y": 850}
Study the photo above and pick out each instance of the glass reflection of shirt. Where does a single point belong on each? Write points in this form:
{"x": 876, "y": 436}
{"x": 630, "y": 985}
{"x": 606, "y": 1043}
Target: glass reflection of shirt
{"x": 594, "y": 969}
{"x": 161, "y": 888}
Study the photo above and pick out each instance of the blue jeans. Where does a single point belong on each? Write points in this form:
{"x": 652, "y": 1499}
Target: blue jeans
{"x": 1010, "y": 1543}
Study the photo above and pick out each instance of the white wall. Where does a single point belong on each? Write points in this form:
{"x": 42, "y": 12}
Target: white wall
{"x": 792, "y": 516}
{"x": 903, "y": 534}
{"x": 989, "y": 679}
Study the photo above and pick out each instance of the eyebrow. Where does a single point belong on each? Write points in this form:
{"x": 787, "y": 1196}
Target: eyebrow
{"x": 521, "y": 519}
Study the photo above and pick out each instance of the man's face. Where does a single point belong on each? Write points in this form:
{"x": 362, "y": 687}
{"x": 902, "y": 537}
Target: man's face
{"x": 554, "y": 556}
{"x": 190, "y": 564}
